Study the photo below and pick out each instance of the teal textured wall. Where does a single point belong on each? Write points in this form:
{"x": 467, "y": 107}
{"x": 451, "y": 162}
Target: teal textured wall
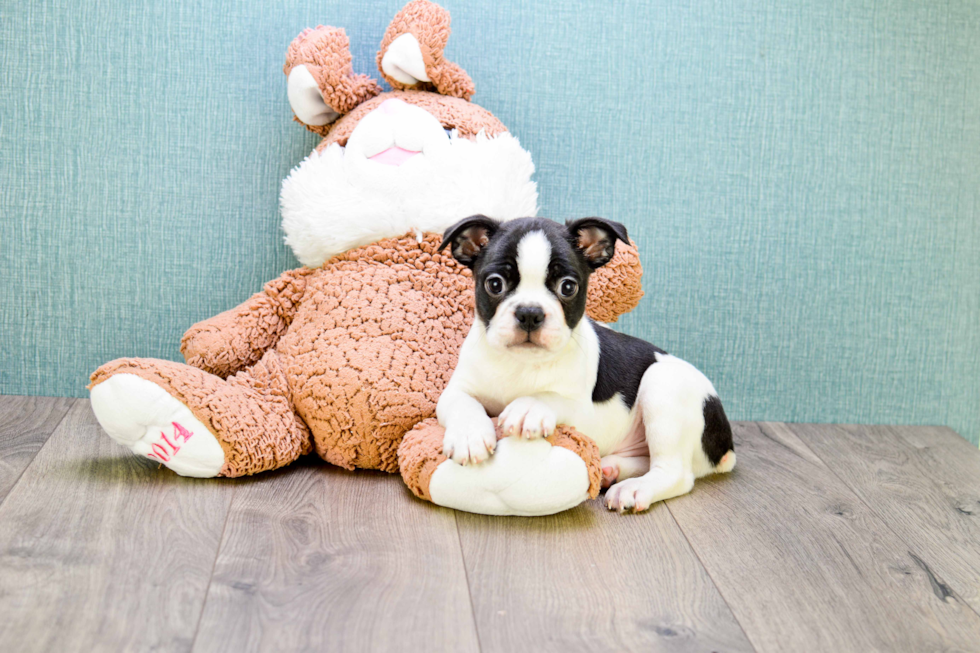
{"x": 803, "y": 179}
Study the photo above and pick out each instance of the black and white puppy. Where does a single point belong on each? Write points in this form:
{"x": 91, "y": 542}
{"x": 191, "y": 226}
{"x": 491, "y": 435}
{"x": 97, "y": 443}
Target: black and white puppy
{"x": 534, "y": 359}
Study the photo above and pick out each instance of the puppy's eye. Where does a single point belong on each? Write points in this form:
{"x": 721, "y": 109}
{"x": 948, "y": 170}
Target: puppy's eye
{"x": 567, "y": 287}
{"x": 495, "y": 284}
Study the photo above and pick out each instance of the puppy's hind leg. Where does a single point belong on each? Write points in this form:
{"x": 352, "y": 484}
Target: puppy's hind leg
{"x": 670, "y": 404}
{"x": 616, "y": 468}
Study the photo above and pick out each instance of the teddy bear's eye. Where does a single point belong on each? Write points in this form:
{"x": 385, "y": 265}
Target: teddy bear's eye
{"x": 495, "y": 285}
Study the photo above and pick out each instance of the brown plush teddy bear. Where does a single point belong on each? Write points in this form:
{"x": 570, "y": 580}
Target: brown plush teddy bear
{"x": 350, "y": 353}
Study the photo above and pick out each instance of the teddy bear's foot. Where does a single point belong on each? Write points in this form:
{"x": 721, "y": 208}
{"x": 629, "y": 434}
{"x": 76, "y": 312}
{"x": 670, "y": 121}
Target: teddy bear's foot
{"x": 249, "y": 416}
{"x": 141, "y": 415}
{"x": 522, "y": 477}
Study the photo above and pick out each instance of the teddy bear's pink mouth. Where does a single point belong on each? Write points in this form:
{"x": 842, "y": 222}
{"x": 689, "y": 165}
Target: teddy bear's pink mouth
{"x": 394, "y": 156}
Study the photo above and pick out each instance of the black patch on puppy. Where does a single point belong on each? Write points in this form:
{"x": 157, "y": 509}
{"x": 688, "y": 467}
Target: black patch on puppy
{"x": 716, "y": 440}
{"x": 623, "y": 360}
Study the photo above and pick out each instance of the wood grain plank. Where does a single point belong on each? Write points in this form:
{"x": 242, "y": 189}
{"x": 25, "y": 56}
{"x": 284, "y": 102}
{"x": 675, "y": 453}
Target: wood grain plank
{"x": 805, "y": 564}
{"x": 317, "y": 558}
{"x": 25, "y": 424}
{"x": 924, "y": 482}
{"x": 591, "y": 580}
{"x": 101, "y": 550}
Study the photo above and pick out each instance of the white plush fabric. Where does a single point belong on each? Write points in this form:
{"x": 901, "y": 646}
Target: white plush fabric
{"x": 523, "y": 477}
{"x": 339, "y": 199}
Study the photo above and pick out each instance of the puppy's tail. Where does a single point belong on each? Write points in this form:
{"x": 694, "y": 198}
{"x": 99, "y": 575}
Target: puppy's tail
{"x": 716, "y": 441}
{"x": 726, "y": 464}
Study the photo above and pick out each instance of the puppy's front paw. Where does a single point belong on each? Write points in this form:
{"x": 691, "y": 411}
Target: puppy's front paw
{"x": 528, "y": 417}
{"x": 471, "y": 445}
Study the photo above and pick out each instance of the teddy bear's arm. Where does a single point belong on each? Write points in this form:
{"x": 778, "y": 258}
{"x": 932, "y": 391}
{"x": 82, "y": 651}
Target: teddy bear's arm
{"x": 617, "y": 287}
{"x": 231, "y": 341}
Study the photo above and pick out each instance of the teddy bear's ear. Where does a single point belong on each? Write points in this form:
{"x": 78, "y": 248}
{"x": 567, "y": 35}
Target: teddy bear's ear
{"x": 411, "y": 52}
{"x": 321, "y": 83}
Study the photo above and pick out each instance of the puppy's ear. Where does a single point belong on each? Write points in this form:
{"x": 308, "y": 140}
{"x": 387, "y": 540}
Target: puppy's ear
{"x": 596, "y": 239}
{"x": 468, "y": 237}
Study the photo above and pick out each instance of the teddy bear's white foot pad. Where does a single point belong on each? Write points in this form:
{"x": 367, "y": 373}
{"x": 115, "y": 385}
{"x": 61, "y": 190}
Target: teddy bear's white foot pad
{"x": 141, "y": 415}
{"x": 522, "y": 477}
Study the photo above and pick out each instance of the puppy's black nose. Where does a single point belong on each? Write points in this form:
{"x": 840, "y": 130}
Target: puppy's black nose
{"x": 529, "y": 317}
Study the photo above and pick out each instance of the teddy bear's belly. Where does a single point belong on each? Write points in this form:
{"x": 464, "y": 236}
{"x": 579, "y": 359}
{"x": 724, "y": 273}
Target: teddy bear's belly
{"x": 370, "y": 351}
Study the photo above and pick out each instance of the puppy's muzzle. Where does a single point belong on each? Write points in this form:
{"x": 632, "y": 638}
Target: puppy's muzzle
{"x": 529, "y": 317}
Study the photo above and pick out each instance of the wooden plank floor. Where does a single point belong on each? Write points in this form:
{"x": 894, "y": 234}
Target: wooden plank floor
{"x": 824, "y": 538}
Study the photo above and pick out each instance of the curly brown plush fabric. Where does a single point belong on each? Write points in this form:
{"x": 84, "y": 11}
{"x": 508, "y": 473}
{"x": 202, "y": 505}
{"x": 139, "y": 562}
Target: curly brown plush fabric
{"x": 373, "y": 344}
{"x": 420, "y": 454}
{"x": 586, "y": 449}
{"x": 429, "y": 24}
{"x": 235, "y": 339}
{"x": 617, "y": 287}
{"x": 355, "y": 352}
{"x": 325, "y": 51}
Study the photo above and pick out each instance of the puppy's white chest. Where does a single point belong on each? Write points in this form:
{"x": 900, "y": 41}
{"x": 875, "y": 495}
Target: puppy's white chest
{"x": 496, "y": 392}
{"x": 497, "y": 378}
